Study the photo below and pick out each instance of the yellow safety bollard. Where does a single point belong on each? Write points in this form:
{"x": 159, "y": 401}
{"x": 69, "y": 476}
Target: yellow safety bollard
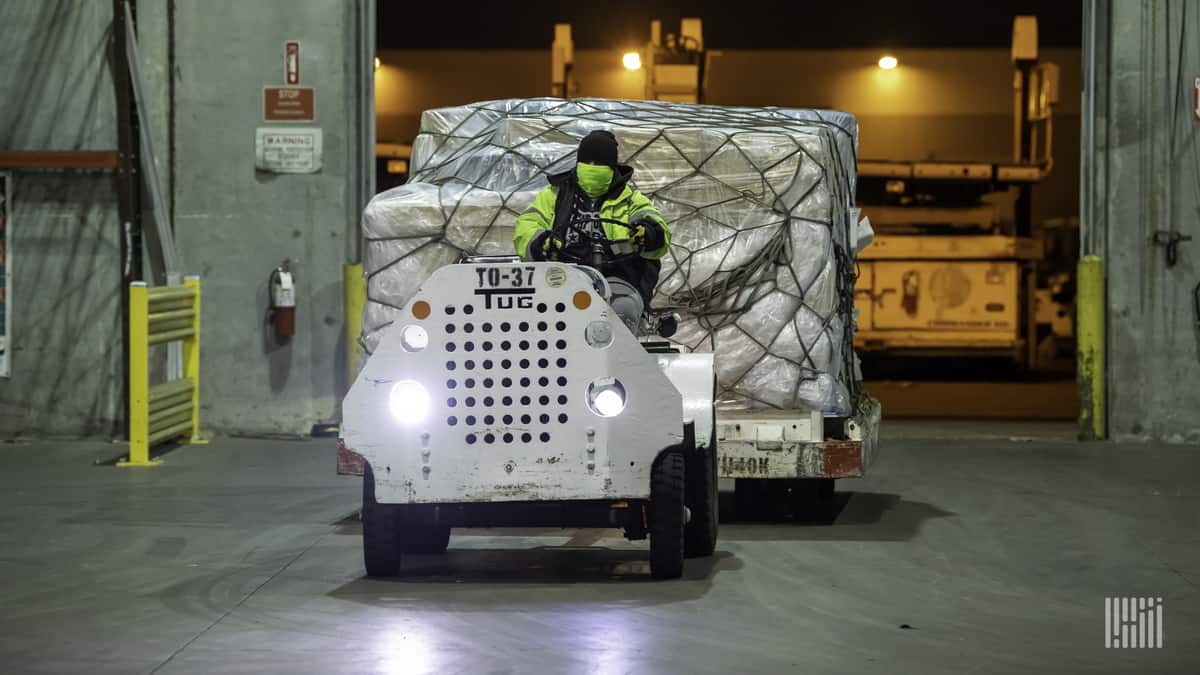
{"x": 355, "y": 287}
{"x": 1089, "y": 317}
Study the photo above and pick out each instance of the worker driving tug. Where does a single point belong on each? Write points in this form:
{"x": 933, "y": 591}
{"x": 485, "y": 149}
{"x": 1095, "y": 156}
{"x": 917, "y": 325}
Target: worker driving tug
{"x": 591, "y": 216}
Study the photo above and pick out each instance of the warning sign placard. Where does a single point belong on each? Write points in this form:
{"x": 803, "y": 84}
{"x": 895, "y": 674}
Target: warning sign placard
{"x": 287, "y": 149}
{"x": 288, "y": 104}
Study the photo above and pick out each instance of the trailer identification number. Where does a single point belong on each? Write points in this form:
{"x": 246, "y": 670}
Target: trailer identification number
{"x": 744, "y": 465}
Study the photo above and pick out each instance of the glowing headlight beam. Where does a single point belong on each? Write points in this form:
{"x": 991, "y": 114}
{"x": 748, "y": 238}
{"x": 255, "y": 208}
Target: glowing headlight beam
{"x": 609, "y": 403}
{"x": 606, "y": 397}
{"x": 409, "y": 402}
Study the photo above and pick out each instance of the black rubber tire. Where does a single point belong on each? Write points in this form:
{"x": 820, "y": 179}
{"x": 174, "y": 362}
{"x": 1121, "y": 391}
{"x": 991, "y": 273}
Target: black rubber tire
{"x": 667, "y": 494}
{"x": 700, "y": 535}
{"x": 424, "y": 538}
{"x": 381, "y": 532}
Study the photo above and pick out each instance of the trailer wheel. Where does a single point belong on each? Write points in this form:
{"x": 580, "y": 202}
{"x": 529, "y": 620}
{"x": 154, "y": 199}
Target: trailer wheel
{"x": 381, "y": 531}
{"x": 700, "y": 535}
{"x": 424, "y": 538}
{"x": 667, "y": 505}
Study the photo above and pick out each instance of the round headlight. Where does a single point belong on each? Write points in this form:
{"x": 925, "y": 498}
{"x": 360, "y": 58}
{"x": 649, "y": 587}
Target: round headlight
{"x": 414, "y": 338}
{"x": 606, "y": 397}
{"x": 409, "y": 402}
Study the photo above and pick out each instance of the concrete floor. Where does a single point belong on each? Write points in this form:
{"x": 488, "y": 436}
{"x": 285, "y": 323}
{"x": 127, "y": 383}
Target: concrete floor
{"x": 962, "y": 552}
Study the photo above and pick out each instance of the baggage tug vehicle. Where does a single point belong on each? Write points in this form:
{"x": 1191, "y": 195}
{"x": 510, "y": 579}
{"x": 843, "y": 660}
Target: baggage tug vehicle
{"x": 510, "y": 394}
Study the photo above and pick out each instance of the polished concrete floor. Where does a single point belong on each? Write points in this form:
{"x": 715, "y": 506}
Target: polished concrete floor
{"x": 968, "y": 549}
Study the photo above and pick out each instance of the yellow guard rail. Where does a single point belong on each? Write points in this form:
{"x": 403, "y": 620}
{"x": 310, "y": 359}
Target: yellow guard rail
{"x": 170, "y": 410}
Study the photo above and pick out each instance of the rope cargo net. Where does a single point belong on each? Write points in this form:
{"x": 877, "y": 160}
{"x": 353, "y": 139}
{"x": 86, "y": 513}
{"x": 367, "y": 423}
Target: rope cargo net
{"x": 761, "y": 266}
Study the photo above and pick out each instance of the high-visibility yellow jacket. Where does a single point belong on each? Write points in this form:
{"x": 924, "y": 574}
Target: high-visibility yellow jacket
{"x": 552, "y": 206}
{"x": 621, "y": 202}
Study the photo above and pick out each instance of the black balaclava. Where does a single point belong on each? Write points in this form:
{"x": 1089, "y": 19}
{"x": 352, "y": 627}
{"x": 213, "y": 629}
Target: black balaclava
{"x": 598, "y": 147}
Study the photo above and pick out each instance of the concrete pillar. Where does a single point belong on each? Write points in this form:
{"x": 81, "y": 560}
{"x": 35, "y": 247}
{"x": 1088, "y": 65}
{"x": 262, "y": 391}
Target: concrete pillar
{"x": 1140, "y": 172}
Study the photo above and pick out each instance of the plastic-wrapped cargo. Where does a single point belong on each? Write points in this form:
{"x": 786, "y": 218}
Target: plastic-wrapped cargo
{"x": 759, "y": 201}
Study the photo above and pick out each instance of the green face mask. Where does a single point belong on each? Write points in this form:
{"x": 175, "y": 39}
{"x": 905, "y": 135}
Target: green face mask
{"x": 594, "y": 178}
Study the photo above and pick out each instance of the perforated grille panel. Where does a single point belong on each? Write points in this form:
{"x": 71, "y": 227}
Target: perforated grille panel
{"x": 506, "y": 381}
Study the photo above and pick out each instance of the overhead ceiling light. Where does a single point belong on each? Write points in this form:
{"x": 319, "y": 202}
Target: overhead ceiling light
{"x": 632, "y": 60}
{"x": 888, "y": 62}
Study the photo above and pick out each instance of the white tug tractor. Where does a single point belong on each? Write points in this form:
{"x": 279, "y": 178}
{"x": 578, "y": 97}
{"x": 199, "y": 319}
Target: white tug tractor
{"x": 510, "y": 394}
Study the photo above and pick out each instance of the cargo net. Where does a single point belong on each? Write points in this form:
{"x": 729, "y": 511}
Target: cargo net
{"x": 760, "y": 270}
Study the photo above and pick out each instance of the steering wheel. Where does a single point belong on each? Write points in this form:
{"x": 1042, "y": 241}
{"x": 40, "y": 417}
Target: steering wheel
{"x": 603, "y": 251}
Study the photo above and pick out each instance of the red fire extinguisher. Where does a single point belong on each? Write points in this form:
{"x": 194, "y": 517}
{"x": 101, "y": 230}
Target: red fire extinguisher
{"x": 283, "y": 301}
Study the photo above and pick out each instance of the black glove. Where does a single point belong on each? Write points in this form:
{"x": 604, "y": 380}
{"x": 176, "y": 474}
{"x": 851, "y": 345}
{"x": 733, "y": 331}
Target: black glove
{"x": 544, "y": 246}
{"x": 648, "y": 232}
